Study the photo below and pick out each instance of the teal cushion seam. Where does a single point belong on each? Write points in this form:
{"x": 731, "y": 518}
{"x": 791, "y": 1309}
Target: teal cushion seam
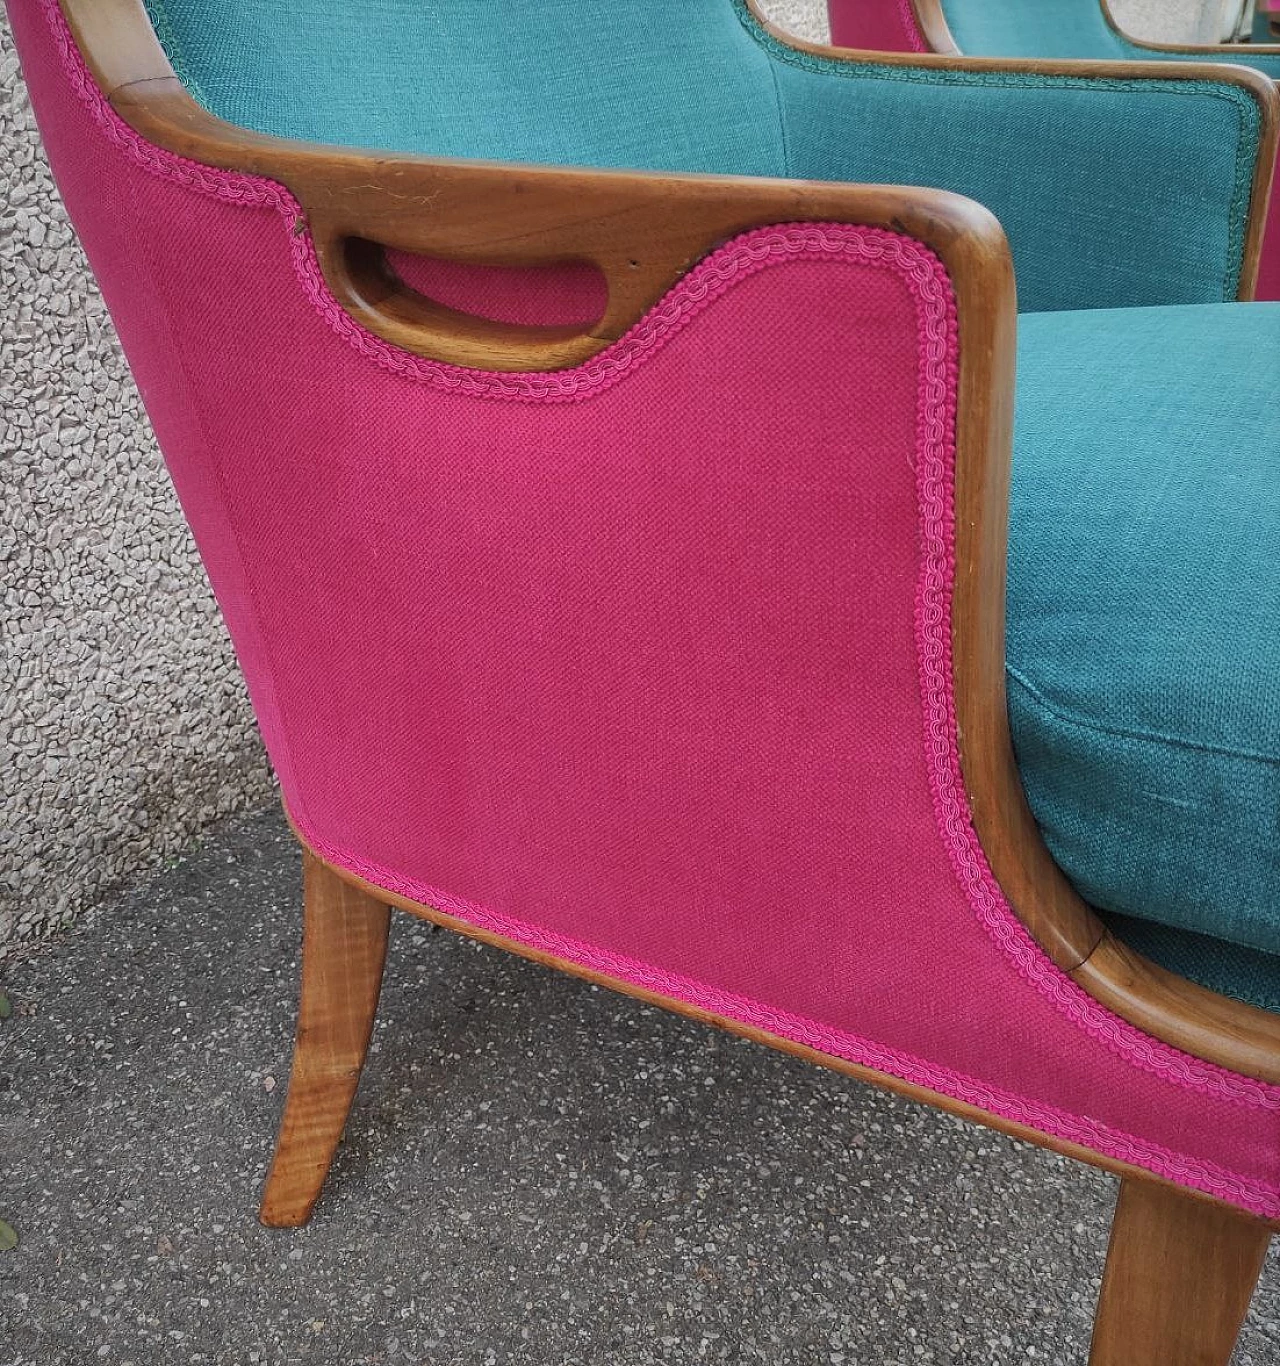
{"x": 1136, "y": 734}
{"x": 167, "y": 36}
{"x": 782, "y": 119}
{"x": 1249, "y": 118}
{"x": 1107, "y": 866}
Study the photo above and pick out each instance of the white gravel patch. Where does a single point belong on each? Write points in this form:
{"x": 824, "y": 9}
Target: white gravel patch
{"x": 805, "y": 18}
{"x": 124, "y": 726}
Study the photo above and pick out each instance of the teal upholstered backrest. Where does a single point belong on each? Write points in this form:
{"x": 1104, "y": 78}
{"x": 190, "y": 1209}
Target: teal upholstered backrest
{"x": 1112, "y": 193}
{"x": 558, "y": 81}
{"x": 1063, "y": 28}
{"x": 1092, "y": 180}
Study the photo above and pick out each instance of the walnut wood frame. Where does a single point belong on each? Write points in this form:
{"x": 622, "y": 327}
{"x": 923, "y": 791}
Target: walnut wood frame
{"x": 643, "y": 231}
{"x": 945, "y": 55}
{"x": 934, "y": 28}
{"x": 1181, "y": 1267}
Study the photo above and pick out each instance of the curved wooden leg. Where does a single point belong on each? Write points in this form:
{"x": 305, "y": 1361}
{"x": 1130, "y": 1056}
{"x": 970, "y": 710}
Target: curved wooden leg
{"x": 344, "y": 946}
{"x": 1180, "y": 1274}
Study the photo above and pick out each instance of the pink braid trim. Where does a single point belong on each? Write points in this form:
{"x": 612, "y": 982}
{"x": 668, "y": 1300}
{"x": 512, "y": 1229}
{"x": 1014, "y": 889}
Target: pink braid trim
{"x": 1256, "y": 1196}
{"x": 668, "y": 316}
{"x": 907, "y": 10}
{"x": 745, "y": 256}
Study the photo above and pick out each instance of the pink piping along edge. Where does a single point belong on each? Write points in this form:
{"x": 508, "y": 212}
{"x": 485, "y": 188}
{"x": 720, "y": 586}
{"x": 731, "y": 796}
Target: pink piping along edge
{"x": 735, "y": 261}
{"x": 930, "y": 286}
{"x": 908, "y": 12}
{"x": 681, "y": 304}
{"x": 739, "y": 259}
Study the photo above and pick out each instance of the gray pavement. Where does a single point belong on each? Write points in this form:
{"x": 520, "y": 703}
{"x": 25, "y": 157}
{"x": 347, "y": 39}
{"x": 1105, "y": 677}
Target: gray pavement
{"x": 536, "y": 1171}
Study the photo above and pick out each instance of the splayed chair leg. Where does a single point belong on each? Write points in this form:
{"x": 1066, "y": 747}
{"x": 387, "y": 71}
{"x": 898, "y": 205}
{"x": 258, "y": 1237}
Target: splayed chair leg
{"x": 344, "y": 947}
{"x": 1180, "y": 1274}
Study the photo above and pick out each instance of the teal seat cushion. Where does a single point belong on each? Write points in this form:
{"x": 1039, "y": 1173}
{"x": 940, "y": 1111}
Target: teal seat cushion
{"x": 1144, "y": 610}
{"x": 1229, "y": 969}
{"x": 1067, "y": 28}
{"x": 1112, "y": 192}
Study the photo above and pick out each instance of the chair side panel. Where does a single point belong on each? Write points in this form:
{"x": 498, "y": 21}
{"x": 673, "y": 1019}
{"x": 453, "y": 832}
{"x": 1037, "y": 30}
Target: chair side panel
{"x": 1114, "y": 192}
{"x": 644, "y": 664}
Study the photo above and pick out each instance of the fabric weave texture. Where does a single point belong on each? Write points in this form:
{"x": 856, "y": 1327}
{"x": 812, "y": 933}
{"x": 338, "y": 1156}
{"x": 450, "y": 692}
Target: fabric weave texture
{"x": 1045, "y": 29}
{"x": 1144, "y": 610}
{"x": 1245, "y": 974}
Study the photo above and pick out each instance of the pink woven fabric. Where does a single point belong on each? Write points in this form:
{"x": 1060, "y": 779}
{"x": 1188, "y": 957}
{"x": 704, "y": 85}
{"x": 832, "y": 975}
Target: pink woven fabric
{"x": 1269, "y": 269}
{"x": 570, "y": 293}
{"x": 645, "y": 663}
{"x": 875, "y": 25}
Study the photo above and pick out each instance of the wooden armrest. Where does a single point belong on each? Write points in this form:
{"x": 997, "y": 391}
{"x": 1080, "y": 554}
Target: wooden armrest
{"x": 642, "y": 230}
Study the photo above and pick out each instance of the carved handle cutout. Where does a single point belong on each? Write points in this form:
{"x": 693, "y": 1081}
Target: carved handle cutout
{"x": 558, "y": 294}
{"x": 474, "y": 313}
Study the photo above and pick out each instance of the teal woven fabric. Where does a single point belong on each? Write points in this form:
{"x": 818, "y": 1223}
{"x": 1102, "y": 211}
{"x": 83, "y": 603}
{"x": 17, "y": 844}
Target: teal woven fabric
{"x": 1065, "y": 28}
{"x": 1112, "y": 193}
{"x": 1087, "y": 176}
{"x": 574, "y": 82}
{"x": 1144, "y": 610}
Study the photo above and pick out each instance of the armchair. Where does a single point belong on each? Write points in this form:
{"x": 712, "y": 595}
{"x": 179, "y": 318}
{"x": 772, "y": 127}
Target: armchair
{"x": 651, "y": 623}
{"x": 1046, "y": 29}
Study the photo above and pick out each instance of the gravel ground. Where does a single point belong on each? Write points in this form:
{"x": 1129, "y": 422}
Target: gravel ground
{"x": 537, "y": 1171}
{"x": 120, "y": 700}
